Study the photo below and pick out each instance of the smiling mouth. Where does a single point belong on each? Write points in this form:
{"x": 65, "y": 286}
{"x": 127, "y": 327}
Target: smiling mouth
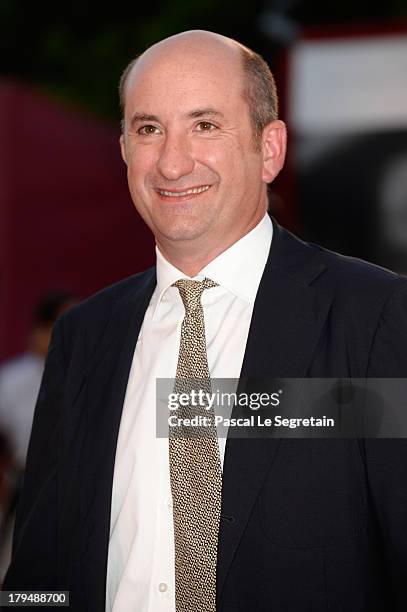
{"x": 187, "y": 192}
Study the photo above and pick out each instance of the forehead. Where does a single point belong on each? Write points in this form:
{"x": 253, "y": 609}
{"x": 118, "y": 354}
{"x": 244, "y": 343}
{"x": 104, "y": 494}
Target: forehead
{"x": 185, "y": 78}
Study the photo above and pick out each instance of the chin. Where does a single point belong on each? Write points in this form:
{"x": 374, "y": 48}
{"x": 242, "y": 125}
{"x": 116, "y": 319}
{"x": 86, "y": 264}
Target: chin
{"x": 182, "y": 231}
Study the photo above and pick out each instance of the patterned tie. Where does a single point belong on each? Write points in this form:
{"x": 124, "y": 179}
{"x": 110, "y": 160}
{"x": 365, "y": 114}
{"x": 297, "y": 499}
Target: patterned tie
{"x": 195, "y": 470}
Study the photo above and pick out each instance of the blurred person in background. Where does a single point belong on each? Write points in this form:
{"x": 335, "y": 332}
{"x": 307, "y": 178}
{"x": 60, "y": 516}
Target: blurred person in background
{"x": 20, "y": 380}
{"x": 20, "y": 377}
{"x": 8, "y": 487}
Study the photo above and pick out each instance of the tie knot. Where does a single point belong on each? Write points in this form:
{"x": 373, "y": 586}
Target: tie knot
{"x": 191, "y": 292}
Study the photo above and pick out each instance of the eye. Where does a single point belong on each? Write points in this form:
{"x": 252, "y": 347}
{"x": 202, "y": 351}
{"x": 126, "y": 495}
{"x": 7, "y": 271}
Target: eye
{"x": 148, "y": 130}
{"x": 205, "y": 126}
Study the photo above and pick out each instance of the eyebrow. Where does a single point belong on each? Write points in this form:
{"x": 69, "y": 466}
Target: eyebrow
{"x": 143, "y": 117}
{"x": 194, "y": 114}
{"x": 204, "y": 112}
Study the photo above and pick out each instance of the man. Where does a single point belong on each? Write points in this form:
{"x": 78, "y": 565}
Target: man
{"x": 303, "y": 524}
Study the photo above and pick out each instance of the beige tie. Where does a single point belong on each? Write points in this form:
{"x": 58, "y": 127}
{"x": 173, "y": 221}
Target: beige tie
{"x": 195, "y": 471}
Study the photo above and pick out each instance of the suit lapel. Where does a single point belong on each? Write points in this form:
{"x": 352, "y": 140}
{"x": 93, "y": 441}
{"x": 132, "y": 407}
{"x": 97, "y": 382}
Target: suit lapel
{"x": 106, "y": 384}
{"x": 287, "y": 320}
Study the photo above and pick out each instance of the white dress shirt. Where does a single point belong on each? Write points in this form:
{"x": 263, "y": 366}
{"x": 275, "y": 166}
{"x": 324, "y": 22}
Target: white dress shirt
{"x": 140, "y": 574}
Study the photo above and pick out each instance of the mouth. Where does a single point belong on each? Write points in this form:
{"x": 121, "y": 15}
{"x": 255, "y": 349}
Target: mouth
{"x": 184, "y": 194}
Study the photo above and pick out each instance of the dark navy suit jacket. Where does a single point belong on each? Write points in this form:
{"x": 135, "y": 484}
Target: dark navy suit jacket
{"x": 307, "y": 525}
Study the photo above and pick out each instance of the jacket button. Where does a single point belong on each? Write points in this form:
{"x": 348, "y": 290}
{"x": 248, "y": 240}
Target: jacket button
{"x": 228, "y": 518}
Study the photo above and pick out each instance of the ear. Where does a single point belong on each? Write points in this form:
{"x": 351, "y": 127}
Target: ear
{"x": 123, "y": 149}
{"x": 274, "y": 143}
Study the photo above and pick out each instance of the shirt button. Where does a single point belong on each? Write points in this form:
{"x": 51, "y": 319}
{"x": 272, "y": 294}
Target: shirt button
{"x": 162, "y": 587}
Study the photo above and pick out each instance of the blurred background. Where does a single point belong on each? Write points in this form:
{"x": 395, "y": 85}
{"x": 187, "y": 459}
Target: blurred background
{"x": 67, "y": 224}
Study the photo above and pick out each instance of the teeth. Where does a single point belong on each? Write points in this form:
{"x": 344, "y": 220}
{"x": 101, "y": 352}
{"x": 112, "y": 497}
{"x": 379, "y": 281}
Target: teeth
{"x": 175, "y": 194}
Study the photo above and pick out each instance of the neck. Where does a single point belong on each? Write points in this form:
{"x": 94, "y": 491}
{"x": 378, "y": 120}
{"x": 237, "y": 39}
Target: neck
{"x": 189, "y": 264}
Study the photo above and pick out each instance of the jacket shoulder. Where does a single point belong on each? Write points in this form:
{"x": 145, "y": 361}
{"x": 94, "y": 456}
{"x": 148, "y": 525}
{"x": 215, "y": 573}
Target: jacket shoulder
{"x": 313, "y": 264}
{"x": 92, "y": 314}
{"x": 363, "y": 292}
{"x": 351, "y": 273}
{"x": 359, "y": 288}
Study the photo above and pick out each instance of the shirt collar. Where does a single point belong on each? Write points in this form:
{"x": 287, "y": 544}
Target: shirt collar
{"x": 238, "y": 269}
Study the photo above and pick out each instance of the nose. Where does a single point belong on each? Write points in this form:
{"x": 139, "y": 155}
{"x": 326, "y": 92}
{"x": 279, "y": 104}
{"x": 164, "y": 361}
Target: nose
{"x": 175, "y": 158}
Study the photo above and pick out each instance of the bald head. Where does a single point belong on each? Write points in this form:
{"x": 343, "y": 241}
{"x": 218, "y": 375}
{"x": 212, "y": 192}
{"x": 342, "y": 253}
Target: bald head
{"x": 257, "y": 83}
{"x": 194, "y": 41}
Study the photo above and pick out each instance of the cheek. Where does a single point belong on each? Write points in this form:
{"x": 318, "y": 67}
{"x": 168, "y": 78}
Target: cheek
{"x": 206, "y": 153}
{"x": 140, "y": 167}
{"x": 220, "y": 157}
